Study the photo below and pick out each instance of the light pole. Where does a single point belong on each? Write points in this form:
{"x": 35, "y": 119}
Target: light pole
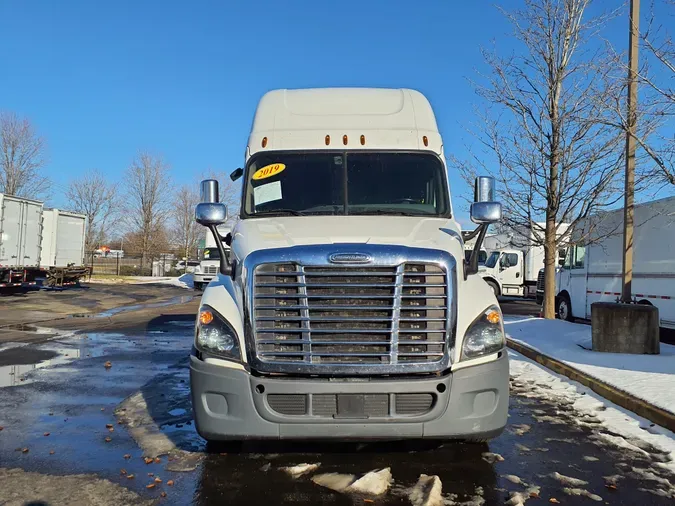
{"x": 633, "y": 48}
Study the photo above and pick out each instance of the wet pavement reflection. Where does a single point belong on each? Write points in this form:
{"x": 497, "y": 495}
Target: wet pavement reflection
{"x": 72, "y": 414}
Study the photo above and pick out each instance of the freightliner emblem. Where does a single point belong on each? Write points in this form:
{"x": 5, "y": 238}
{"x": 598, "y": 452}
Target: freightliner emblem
{"x": 350, "y": 258}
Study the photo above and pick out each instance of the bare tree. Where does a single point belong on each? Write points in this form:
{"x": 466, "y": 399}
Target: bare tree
{"x": 148, "y": 185}
{"x": 544, "y": 126}
{"x": 22, "y": 156}
{"x": 186, "y": 231}
{"x": 97, "y": 198}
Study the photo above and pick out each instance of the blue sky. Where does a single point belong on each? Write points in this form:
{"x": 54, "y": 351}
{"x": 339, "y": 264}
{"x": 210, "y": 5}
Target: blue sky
{"x": 102, "y": 80}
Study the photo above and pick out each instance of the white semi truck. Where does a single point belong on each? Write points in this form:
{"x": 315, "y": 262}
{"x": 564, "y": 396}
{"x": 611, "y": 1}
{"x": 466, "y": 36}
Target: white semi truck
{"x": 592, "y": 270}
{"x": 209, "y": 259}
{"x": 347, "y": 309}
{"x": 514, "y": 261}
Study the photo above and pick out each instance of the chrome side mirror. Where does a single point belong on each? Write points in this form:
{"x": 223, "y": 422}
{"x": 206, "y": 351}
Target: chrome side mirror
{"x": 485, "y": 210}
{"x": 210, "y": 211}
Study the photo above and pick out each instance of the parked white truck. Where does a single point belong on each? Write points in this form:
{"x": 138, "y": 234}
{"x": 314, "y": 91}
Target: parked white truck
{"x": 209, "y": 259}
{"x": 592, "y": 270}
{"x": 347, "y": 310}
{"x": 514, "y": 261}
{"x": 20, "y": 234}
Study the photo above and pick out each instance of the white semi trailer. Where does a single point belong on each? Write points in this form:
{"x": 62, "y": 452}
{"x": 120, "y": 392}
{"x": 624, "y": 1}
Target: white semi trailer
{"x": 63, "y": 243}
{"x": 20, "y": 234}
{"x": 346, "y": 309}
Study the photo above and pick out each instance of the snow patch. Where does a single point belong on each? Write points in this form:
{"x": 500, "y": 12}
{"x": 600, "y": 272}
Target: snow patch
{"x": 582, "y": 492}
{"x": 372, "y": 483}
{"x": 567, "y": 480}
{"x": 589, "y": 458}
{"x": 300, "y": 469}
{"x": 427, "y": 492}
{"x": 491, "y": 458}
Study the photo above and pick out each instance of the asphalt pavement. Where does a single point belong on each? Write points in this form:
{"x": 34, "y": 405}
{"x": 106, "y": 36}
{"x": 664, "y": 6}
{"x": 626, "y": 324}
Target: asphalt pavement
{"x": 83, "y": 416}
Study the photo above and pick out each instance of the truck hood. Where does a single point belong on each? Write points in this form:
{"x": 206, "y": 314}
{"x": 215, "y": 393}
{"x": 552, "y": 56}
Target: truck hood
{"x": 282, "y": 232}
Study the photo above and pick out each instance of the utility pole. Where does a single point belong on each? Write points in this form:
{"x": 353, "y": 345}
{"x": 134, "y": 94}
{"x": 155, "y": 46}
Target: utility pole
{"x": 633, "y": 48}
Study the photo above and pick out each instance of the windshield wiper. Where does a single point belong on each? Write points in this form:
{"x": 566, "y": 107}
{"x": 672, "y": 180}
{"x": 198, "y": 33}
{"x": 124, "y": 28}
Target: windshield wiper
{"x": 279, "y": 212}
{"x": 391, "y": 212}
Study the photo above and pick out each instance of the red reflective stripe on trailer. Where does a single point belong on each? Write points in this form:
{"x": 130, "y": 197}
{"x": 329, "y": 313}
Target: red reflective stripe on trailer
{"x": 639, "y": 295}
{"x": 616, "y": 293}
{"x": 598, "y": 292}
{"x": 666, "y": 296}
{"x": 607, "y": 293}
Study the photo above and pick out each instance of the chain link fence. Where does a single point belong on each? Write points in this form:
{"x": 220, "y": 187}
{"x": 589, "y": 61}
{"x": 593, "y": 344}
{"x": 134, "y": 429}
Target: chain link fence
{"x": 119, "y": 264}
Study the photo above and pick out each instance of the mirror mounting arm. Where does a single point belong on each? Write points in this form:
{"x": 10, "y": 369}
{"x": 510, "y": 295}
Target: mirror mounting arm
{"x": 471, "y": 267}
{"x": 225, "y": 268}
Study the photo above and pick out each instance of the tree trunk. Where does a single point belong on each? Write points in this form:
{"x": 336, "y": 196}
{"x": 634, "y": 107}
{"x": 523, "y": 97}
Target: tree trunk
{"x": 550, "y": 247}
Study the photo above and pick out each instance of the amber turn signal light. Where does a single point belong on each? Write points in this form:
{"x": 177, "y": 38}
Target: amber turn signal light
{"x": 205, "y": 317}
{"x": 493, "y": 317}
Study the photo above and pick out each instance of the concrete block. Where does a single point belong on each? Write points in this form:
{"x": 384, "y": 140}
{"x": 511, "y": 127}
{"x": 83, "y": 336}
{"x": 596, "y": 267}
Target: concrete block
{"x": 625, "y": 328}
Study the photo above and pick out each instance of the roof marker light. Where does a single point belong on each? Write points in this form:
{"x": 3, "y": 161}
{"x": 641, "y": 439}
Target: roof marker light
{"x": 363, "y": 140}
{"x": 425, "y": 140}
{"x": 327, "y": 140}
{"x": 264, "y": 142}
{"x": 345, "y": 140}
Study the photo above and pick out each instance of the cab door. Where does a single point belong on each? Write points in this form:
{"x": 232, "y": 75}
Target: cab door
{"x": 511, "y": 272}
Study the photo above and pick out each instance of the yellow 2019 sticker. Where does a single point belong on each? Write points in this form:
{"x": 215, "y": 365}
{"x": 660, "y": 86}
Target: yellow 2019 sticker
{"x": 268, "y": 171}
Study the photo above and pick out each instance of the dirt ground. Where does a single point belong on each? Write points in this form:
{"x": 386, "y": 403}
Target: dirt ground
{"x": 90, "y": 307}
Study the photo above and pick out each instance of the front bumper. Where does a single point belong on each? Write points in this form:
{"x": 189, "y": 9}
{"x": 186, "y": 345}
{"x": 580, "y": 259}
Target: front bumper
{"x": 202, "y": 278}
{"x": 231, "y": 404}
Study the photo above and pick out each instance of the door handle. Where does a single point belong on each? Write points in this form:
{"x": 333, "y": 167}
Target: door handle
{"x": 517, "y": 274}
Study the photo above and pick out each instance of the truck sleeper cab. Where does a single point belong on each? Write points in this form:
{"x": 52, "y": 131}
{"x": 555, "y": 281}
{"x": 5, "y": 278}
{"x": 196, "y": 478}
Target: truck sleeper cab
{"x": 347, "y": 310}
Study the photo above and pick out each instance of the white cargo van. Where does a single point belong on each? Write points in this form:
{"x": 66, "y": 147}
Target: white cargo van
{"x": 592, "y": 271}
{"x": 347, "y": 309}
{"x": 512, "y": 267}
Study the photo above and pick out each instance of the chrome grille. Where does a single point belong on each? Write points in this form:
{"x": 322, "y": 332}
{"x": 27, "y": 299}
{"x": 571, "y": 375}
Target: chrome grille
{"x": 540, "y": 281}
{"x": 345, "y": 316}
{"x": 210, "y": 269}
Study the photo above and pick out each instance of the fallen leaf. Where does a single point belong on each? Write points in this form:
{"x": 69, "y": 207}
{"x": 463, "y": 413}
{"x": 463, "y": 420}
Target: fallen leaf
{"x": 610, "y": 486}
{"x": 108, "y": 364}
{"x": 158, "y": 480}
{"x": 151, "y": 485}
{"x": 123, "y": 471}
{"x": 554, "y": 500}
{"x": 148, "y": 460}
{"x": 108, "y": 425}
{"x": 130, "y": 476}
{"x": 24, "y": 450}
{"x": 163, "y": 494}
{"x": 170, "y": 483}
{"x": 534, "y": 495}
{"x": 157, "y": 460}
{"x": 46, "y": 434}
{"x": 108, "y": 439}
{"x": 51, "y": 452}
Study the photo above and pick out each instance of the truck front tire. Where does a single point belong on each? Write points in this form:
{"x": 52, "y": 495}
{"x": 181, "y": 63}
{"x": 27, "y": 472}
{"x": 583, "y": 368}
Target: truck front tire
{"x": 564, "y": 308}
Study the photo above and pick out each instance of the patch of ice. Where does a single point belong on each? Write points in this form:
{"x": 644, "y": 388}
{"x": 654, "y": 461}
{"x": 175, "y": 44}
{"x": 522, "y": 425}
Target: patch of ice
{"x": 334, "y": 481}
{"x": 427, "y": 492}
{"x": 521, "y": 429}
{"x": 374, "y": 482}
{"x": 300, "y": 469}
{"x": 567, "y": 480}
{"x": 513, "y": 478}
{"x": 589, "y": 458}
{"x": 522, "y": 448}
{"x": 582, "y": 492}
{"x": 491, "y": 458}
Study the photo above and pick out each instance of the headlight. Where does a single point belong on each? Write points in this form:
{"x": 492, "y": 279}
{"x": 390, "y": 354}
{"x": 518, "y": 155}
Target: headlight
{"x": 485, "y": 335}
{"x": 214, "y": 335}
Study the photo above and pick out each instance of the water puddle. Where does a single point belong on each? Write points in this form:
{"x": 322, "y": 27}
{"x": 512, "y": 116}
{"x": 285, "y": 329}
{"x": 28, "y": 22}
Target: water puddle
{"x": 181, "y": 299}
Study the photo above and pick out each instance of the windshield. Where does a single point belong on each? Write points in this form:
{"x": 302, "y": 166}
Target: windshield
{"x": 482, "y": 256}
{"x": 309, "y": 183}
{"x": 492, "y": 261}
